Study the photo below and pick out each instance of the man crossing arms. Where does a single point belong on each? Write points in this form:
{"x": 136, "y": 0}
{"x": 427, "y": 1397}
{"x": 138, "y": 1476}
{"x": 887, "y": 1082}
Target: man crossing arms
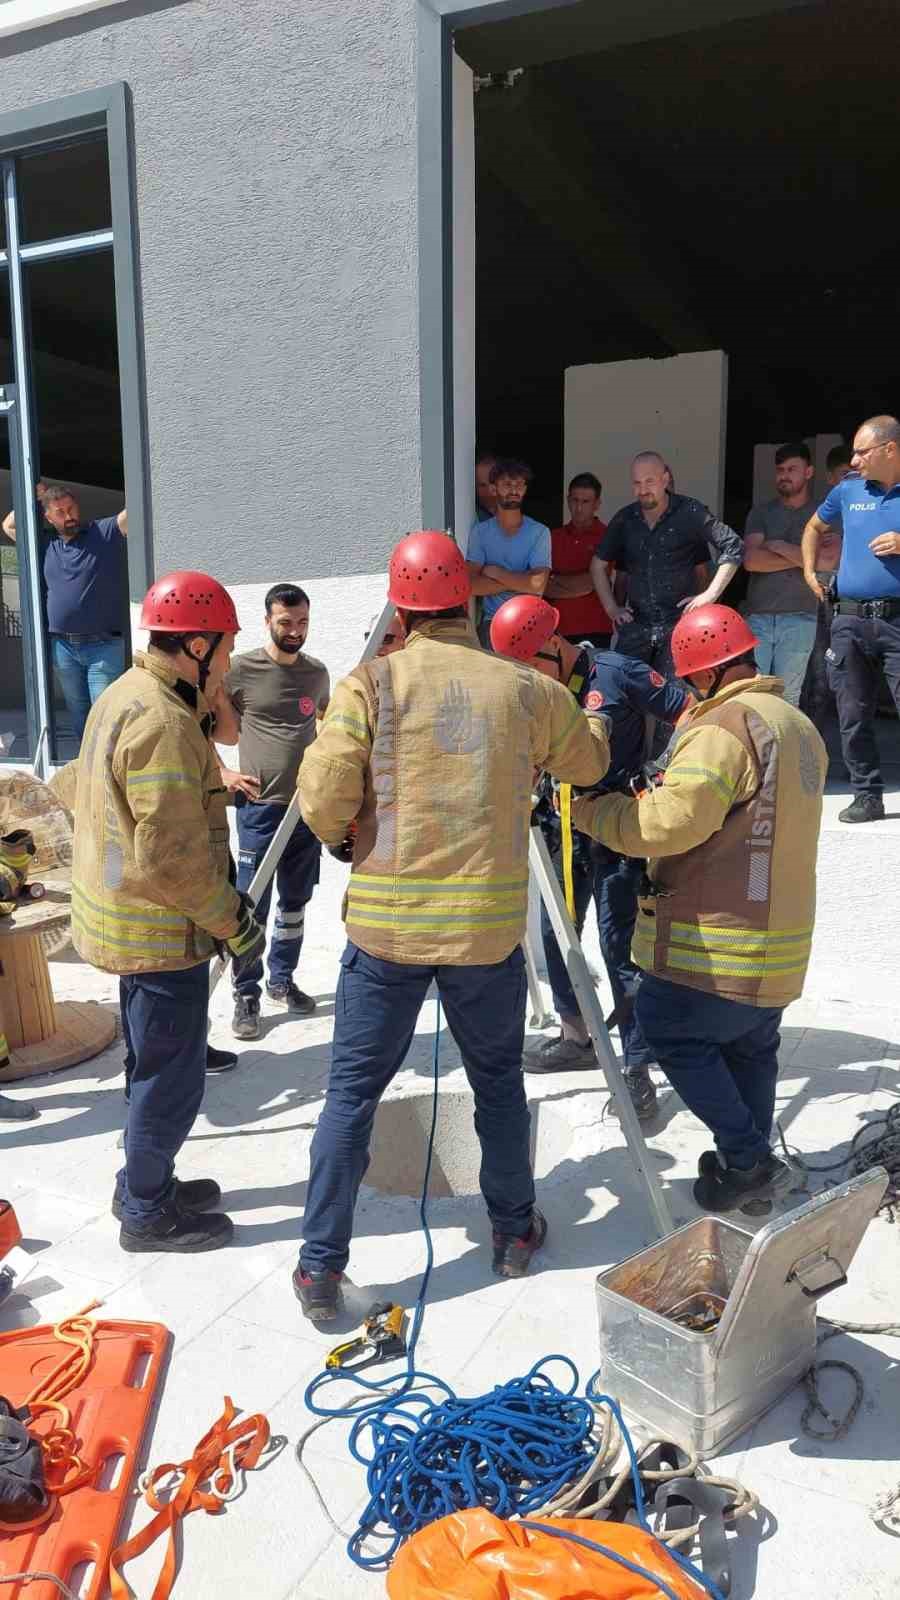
{"x": 151, "y": 897}
{"x": 724, "y": 928}
{"x": 431, "y": 752}
{"x": 269, "y": 702}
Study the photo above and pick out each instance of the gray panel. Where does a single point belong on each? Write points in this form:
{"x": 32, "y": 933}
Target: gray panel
{"x": 276, "y": 218}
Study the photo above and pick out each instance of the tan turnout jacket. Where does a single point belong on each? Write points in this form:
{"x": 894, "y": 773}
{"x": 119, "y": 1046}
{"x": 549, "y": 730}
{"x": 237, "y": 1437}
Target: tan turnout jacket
{"x": 732, "y": 835}
{"x": 432, "y": 751}
{"x": 150, "y": 884}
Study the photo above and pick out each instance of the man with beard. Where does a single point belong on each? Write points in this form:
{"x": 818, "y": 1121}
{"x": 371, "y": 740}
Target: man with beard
{"x": 269, "y": 704}
{"x": 659, "y": 540}
{"x": 510, "y": 553}
{"x": 781, "y": 609}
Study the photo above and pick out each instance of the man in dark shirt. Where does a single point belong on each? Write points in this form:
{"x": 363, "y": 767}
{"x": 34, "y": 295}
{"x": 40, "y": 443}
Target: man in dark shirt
{"x": 85, "y": 574}
{"x": 658, "y": 541}
{"x": 270, "y": 702}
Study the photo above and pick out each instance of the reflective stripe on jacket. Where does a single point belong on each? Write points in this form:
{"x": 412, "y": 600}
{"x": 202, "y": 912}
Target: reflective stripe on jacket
{"x": 732, "y": 835}
{"x": 150, "y": 884}
{"x": 432, "y": 751}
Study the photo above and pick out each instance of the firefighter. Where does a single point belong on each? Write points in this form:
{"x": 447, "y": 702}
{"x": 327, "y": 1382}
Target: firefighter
{"x": 626, "y": 691}
{"x": 431, "y": 752}
{"x": 725, "y": 926}
{"x": 152, "y": 897}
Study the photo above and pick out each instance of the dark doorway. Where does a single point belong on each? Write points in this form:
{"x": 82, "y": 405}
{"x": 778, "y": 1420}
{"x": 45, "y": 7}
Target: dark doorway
{"x": 726, "y": 187}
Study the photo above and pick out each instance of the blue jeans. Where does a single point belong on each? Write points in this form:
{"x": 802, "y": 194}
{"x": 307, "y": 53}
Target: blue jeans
{"x": 721, "y": 1056}
{"x": 785, "y": 646}
{"x": 85, "y": 670}
{"x": 297, "y": 874}
{"x": 612, "y": 881}
{"x": 164, "y": 1023}
{"x": 375, "y": 1011}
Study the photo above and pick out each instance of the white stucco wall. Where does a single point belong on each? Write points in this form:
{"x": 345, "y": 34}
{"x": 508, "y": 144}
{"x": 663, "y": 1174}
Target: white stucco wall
{"x": 676, "y": 406}
{"x": 275, "y": 159}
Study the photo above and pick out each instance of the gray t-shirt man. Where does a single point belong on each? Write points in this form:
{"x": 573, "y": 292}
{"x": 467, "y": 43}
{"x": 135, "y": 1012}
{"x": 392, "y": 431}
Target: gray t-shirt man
{"x": 786, "y": 592}
{"x": 277, "y": 705}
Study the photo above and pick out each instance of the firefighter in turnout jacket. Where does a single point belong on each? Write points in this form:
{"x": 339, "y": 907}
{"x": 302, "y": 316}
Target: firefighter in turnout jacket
{"x": 626, "y": 691}
{"x": 725, "y": 926}
{"x": 430, "y": 751}
{"x": 152, "y": 897}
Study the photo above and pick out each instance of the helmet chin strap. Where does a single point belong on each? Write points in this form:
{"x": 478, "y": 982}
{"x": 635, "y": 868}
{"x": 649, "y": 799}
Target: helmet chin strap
{"x": 718, "y": 674}
{"x": 204, "y": 663}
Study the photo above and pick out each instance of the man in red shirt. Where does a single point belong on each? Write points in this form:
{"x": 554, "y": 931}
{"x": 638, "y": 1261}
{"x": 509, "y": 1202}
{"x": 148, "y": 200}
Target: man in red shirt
{"x": 569, "y": 586}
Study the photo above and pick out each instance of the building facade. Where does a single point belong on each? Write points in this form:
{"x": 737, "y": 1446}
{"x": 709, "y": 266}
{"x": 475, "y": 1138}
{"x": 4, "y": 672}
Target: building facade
{"x": 264, "y": 402}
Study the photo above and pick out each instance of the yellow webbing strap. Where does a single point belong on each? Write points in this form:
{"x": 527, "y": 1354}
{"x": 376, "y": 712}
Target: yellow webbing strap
{"x": 565, "y": 817}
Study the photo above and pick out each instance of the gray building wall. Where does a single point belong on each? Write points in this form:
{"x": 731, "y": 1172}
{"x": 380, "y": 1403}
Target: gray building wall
{"x": 275, "y": 156}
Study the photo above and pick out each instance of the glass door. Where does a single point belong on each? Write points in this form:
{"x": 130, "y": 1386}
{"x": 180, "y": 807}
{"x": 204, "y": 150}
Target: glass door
{"x": 23, "y": 694}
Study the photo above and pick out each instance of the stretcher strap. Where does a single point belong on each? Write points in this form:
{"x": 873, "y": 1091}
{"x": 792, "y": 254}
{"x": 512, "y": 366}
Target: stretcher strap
{"x": 568, "y": 846}
{"x": 226, "y": 1449}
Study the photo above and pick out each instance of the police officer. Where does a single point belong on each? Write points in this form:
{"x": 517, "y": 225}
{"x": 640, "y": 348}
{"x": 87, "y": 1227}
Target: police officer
{"x": 430, "y": 751}
{"x": 865, "y": 630}
{"x": 625, "y": 691}
{"x": 151, "y": 896}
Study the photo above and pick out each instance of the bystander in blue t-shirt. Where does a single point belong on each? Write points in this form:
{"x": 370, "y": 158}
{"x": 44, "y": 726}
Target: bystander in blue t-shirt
{"x": 85, "y": 578}
{"x": 527, "y": 550}
{"x": 865, "y": 509}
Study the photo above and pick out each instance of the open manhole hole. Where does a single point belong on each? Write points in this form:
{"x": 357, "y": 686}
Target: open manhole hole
{"x": 400, "y": 1144}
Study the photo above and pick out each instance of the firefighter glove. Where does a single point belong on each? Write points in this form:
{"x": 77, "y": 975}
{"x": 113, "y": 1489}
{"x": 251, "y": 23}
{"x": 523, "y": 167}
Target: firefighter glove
{"x": 248, "y": 942}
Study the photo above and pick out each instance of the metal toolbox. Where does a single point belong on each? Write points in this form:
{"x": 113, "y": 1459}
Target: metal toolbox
{"x": 757, "y": 1292}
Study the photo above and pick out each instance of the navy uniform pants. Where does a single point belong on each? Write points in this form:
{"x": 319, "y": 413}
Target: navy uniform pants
{"x": 375, "y": 1011}
{"x": 861, "y": 649}
{"x": 296, "y": 876}
{"x": 611, "y": 880}
{"x": 164, "y": 1024}
{"x": 721, "y": 1056}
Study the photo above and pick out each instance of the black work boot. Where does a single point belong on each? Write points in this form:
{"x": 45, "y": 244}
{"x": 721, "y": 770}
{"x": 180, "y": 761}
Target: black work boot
{"x": 642, "y": 1091}
{"x": 512, "y": 1257}
{"x": 723, "y": 1188}
{"x": 219, "y": 1060}
{"x": 245, "y": 1022}
{"x": 560, "y": 1055}
{"x": 319, "y": 1294}
{"x": 866, "y": 807}
{"x": 195, "y": 1194}
{"x": 287, "y": 994}
{"x": 16, "y": 1110}
{"x": 177, "y": 1231}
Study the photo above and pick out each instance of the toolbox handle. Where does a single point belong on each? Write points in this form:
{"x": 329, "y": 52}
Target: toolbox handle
{"x": 800, "y": 1269}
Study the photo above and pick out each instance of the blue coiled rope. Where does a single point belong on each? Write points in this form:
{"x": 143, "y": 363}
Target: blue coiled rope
{"x": 511, "y": 1450}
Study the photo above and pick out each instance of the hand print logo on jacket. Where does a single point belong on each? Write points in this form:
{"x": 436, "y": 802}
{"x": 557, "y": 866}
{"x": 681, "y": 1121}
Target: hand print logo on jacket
{"x": 457, "y": 730}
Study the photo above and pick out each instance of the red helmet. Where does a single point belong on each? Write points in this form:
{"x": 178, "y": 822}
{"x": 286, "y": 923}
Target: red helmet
{"x": 522, "y": 626}
{"x": 188, "y": 602}
{"x": 708, "y": 637}
{"x": 428, "y": 573}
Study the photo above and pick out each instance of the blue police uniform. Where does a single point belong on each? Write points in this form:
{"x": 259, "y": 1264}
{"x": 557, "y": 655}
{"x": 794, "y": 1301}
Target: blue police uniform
{"x": 865, "y": 631}
{"x": 626, "y": 691}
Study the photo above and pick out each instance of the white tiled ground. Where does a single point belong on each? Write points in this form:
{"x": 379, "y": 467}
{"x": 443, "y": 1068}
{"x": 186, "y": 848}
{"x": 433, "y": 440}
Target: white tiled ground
{"x": 237, "y": 1329}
